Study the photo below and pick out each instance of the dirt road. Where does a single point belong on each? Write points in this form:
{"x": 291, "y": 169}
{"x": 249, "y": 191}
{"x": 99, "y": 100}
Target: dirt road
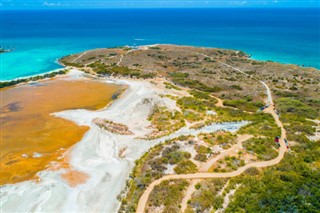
{"x": 144, "y": 198}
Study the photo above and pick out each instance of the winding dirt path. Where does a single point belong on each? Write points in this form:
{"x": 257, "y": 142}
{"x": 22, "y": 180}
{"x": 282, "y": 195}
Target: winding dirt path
{"x": 187, "y": 195}
{"x": 82, "y": 54}
{"x": 205, "y": 167}
{"x": 219, "y": 103}
{"x": 144, "y": 198}
{"x": 210, "y": 162}
{"x": 122, "y": 56}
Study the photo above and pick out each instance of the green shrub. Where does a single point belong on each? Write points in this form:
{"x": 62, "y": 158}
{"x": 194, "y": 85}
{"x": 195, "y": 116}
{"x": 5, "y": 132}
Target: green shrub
{"x": 264, "y": 148}
{"x": 291, "y": 186}
{"x": 171, "y": 86}
{"x": 154, "y": 48}
{"x": 202, "y": 149}
{"x": 236, "y": 87}
{"x": 104, "y": 69}
{"x": 244, "y": 104}
{"x": 169, "y": 194}
{"x": 207, "y": 196}
{"x": 199, "y": 94}
{"x": 296, "y": 107}
{"x": 197, "y": 186}
{"x": 174, "y": 157}
{"x": 198, "y": 105}
{"x": 179, "y": 75}
{"x": 186, "y": 167}
{"x": 33, "y": 78}
{"x": 182, "y": 80}
{"x": 201, "y": 157}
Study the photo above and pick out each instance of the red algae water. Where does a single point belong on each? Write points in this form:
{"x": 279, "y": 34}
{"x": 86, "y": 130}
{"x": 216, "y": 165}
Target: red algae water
{"x": 31, "y": 138}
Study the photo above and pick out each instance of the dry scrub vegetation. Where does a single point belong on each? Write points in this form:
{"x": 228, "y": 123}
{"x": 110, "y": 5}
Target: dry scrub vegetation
{"x": 290, "y": 186}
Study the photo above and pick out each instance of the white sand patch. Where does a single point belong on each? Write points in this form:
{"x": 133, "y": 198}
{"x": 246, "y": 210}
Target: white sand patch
{"x": 185, "y": 146}
{"x": 97, "y": 156}
{"x": 171, "y": 104}
{"x": 73, "y": 74}
{"x": 216, "y": 149}
{"x": 227, "y": 199}
{"x": 223, "y": 188}
{"x": 316, "y": 135}
{"x": 211, "y": 112}
{"x": 169, "y": 169}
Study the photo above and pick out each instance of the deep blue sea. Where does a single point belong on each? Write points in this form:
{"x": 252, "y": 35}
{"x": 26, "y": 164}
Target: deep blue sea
{"x": 40, "y": 37}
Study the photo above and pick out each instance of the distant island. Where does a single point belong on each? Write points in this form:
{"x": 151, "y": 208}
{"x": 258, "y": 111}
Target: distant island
{"x": 196, "y": 130}
{"x": 2, "y": 50}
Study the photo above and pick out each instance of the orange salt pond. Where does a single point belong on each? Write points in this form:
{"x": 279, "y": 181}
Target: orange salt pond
{"x": 30, "y": 137}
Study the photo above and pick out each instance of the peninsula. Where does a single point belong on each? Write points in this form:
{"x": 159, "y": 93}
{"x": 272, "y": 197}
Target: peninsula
{"x": 196, "y": 130}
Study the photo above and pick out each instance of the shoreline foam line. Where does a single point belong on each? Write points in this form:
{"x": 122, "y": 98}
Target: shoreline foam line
{"x": 34, "y": 76}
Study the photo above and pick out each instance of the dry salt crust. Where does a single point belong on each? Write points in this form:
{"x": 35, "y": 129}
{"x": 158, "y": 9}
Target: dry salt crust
{"x": 97, "y": 156}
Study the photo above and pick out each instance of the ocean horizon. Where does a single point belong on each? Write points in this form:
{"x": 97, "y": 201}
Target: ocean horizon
{"x": 40, "y": 37}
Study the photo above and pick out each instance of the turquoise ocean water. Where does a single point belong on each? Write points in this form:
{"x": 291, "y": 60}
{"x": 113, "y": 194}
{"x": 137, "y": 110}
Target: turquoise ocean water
{"x": 40, "y": 37}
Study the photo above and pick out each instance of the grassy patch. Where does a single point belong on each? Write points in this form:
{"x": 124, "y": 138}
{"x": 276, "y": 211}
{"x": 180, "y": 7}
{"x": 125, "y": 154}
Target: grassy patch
{"x": 263, "y": 124}
{"x": 183, "y": 80}
{"x": 206, "y": 197}
{"x": 34, "y": 78}
{"x": 291, "y": 186}
{"x": 228, "y": 164}
{"x": 151, "y": 166}
{"x": 199, "y": 105}
{"x": 65, "y": 62}
{"x": 172, "y": 155}
{"x": 171, "y": 86}
{"x": 264, "y": 148}
{"x": 186, "y": 167}
{"x": 104, "y": 69}
{"x": 224, "y": 139}
{"x": 296, "y": 107}
{"x": 165, "y": 121}
{"x": 244, "y": 104}
{"x": 200, "y": 95}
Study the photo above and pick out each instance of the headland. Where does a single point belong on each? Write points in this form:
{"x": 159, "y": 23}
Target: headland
{"x": 183, "y": 109}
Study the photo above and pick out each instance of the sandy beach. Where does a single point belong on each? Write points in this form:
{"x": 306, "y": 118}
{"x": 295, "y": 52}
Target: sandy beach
{"x": 97, "y": 173}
